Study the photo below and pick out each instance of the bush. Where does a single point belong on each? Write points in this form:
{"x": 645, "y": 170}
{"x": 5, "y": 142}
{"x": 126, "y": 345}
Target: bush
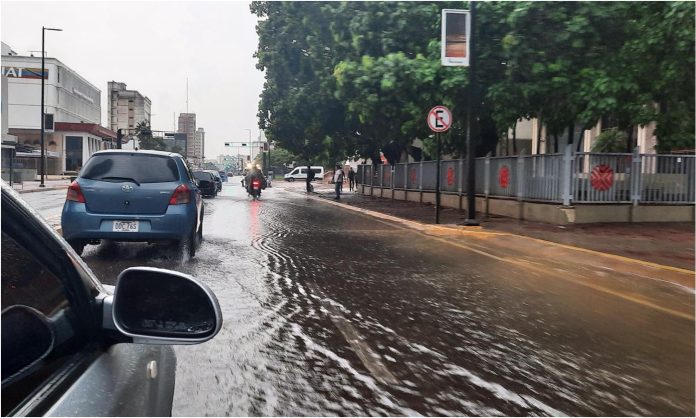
{"x": 611, "y": 140}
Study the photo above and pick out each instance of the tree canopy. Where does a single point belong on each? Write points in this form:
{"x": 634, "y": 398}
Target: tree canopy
{"x": 351, "y": 79}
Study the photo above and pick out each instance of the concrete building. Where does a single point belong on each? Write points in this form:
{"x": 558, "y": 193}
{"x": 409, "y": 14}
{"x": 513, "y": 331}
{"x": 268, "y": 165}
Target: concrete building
{"x": 74, "y": 103}
{"x": 127, "y": 108}
{"x": 527, "y": 131}
{"x": 175, "y": 142}
{"x": 199, "y": 145}
{"x": 187, "y": 125}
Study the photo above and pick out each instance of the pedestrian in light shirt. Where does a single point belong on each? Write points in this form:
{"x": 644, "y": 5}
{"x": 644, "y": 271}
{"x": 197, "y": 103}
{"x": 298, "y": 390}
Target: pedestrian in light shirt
{"x": 338, "y": 180}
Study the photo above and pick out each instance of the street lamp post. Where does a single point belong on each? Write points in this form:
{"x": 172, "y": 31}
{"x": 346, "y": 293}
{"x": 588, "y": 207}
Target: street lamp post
{"x": 43, "y": 117}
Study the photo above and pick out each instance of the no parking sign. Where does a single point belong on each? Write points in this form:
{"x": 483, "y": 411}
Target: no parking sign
{"x": 439, "y": 119}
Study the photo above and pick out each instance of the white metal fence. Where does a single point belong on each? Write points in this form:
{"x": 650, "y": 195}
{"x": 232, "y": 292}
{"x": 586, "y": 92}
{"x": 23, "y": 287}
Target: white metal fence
{"x": 563, "y": 178}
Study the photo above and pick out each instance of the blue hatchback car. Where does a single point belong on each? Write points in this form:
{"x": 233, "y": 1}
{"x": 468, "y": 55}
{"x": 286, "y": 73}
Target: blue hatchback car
{"x": 134, "y": 196}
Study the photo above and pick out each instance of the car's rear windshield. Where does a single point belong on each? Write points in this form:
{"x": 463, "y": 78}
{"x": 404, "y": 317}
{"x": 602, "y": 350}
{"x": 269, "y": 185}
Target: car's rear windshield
{"x": 140, "y": 168}
{"x": 202, "y": 175}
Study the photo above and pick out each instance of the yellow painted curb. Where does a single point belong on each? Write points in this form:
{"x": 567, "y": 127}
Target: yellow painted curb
{"x": 478, "y": 230}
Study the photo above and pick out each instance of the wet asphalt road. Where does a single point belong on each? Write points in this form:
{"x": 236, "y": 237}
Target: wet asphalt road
{"x": 329, "y": 312}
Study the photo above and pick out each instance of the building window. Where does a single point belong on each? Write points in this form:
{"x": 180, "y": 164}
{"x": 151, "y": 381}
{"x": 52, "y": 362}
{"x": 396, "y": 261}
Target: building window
{"x": 73, "y": 153}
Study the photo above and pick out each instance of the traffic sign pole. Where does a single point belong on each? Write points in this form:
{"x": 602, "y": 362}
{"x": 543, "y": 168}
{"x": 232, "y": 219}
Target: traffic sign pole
{"x": 439, "y": 120}
{"x": 437, "y": 182}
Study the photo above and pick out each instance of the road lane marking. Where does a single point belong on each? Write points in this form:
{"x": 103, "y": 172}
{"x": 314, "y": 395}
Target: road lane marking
{"x": 371, "y": 360}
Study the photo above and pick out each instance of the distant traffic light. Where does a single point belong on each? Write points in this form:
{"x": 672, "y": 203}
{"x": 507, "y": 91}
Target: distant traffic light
{"x": 119, "y": 138}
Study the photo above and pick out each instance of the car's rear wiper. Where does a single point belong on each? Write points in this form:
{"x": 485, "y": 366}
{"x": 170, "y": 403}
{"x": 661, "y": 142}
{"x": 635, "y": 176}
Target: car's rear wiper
{"x": 119, "y": 178}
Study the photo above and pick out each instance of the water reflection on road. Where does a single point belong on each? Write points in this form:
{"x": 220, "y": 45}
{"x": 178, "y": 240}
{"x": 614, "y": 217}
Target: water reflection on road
{"x": 332, "y": 313}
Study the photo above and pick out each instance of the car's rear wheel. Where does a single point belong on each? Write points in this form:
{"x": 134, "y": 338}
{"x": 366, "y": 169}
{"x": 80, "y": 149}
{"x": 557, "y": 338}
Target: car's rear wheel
{"x": 200, "y": 232}
{"x": 188, "y": 245}
{"x": 77, "y": 245}
{"x": 291, "y": 179}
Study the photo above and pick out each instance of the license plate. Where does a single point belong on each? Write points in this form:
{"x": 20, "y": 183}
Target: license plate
{"x": 126, "y": 226}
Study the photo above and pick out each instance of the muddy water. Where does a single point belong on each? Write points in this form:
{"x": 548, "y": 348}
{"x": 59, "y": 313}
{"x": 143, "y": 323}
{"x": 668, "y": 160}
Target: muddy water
{"x": 332, "y": 313}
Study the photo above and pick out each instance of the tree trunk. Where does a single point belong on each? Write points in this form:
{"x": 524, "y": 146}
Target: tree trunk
{"x": 629, "y": 142}
{"x": 571, "y": 132}
{"x": 581, "y": 139}
{"x": 555, "y": 143}
{"x": 514, "y": 138}
{"x": 538, "y": 138}
{"x": 507, "y": 143}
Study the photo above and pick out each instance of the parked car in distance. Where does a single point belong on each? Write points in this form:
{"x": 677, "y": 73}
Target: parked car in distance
{"x": 133, "y": 196}
{"x": 223, "y": 176}
{"x": 218, "y": 179}
{"x": 72, "y": 346}
{"x": 300, "y": 173}
{"x": 206, "y": 183}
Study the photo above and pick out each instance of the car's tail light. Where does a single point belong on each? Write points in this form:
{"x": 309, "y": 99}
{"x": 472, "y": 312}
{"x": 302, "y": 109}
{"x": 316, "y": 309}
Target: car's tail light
{"x": 181, "y": 195}
{"x": 75, "y": 193}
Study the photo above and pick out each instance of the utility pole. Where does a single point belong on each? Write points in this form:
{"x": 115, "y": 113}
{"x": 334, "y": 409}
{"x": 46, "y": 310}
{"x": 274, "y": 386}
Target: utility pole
{"x": 43, "y": 88}
{"x": 470, "y": 149}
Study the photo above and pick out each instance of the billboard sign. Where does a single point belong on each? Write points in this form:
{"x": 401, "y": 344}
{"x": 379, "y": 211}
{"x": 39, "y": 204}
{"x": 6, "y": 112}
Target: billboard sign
{"x": 456, "y": 37}
{"x": 19, "y": 72}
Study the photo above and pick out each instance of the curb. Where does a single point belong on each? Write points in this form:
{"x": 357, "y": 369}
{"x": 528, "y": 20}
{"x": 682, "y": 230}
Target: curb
{"x": 45, "y": 189}
{"x": 478, "y": 230}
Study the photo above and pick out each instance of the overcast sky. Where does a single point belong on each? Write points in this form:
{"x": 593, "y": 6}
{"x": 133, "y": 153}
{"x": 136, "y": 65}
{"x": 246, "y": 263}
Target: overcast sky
{"x": 153, "y": 47}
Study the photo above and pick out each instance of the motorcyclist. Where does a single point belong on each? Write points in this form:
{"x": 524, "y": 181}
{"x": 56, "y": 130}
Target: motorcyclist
{"x": 254, "y": 173}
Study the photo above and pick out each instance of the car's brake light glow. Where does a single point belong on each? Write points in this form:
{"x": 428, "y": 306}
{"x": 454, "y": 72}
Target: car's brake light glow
{"x": 181, "y": 195}
{"x": 75, "y": 193}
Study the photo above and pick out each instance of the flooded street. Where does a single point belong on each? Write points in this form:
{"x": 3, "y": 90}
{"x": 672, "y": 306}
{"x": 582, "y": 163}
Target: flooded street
{"x": 331, "y": 312}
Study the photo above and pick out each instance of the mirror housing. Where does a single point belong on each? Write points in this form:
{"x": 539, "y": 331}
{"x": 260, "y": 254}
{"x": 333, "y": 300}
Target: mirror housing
{"x": 27, "y": 338}
{"x": 158, "y": 306}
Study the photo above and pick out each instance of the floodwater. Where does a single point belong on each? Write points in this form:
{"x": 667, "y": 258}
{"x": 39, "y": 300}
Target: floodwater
{"x": 329, "y": 312}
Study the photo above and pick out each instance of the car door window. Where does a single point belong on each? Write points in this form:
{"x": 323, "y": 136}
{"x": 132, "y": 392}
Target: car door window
{"x": 303, "y": 171}
{"x": 40, "y": 330}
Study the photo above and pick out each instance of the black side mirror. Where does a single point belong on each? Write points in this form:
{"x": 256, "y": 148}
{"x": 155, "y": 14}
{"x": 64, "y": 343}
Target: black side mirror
{"x": 158, "y": 306}
{"x": 27, "y": 338}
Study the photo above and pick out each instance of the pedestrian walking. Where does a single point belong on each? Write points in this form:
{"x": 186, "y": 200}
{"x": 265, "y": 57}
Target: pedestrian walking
{"x": 351, "y": 179}
{"x": 310, "y": 177}
{"x": 338, "y": 180}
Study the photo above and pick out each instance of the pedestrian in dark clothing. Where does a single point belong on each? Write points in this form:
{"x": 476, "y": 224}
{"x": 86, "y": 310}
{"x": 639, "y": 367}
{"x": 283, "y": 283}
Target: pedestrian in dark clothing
{"x": 310, "y": 177}
{"x": 351, "y": 179}
{"x": 338, "y": 180}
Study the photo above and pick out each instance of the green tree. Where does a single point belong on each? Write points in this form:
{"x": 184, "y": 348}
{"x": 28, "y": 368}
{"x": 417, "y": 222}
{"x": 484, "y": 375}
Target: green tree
{"x": 145, "y": 139}
{"x": 347, "y": 79}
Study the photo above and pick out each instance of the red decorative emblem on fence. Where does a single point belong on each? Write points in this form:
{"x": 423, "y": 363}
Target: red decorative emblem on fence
{"x": 504, "y": 177}
{"x": 450, "y": 176}
{"x": 602, "y": 177}
{"x": 413, "y": 176}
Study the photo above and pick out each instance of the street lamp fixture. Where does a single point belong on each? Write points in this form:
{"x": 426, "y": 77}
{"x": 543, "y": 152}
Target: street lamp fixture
{"x": 43, "y": 117}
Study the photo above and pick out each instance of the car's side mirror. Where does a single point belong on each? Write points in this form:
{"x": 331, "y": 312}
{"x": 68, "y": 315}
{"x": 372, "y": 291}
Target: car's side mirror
{"x": 27, "y": 338}
{"x": 157, "y": 306}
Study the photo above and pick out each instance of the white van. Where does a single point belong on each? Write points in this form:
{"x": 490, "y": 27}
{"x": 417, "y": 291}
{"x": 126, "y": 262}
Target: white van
{"x": 300, "y": 173}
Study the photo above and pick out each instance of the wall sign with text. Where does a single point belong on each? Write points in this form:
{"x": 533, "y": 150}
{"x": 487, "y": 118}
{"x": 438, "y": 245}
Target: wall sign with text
{"x": 20, "y": 72}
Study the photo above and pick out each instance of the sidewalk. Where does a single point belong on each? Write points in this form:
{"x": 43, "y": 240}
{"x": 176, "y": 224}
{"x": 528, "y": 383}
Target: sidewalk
{"x": 670, "y": 244}
{"x": 33, "y": 186}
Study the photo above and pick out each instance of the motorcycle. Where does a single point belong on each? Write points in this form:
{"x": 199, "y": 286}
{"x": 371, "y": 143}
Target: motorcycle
{"x": 255, "y": 189}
